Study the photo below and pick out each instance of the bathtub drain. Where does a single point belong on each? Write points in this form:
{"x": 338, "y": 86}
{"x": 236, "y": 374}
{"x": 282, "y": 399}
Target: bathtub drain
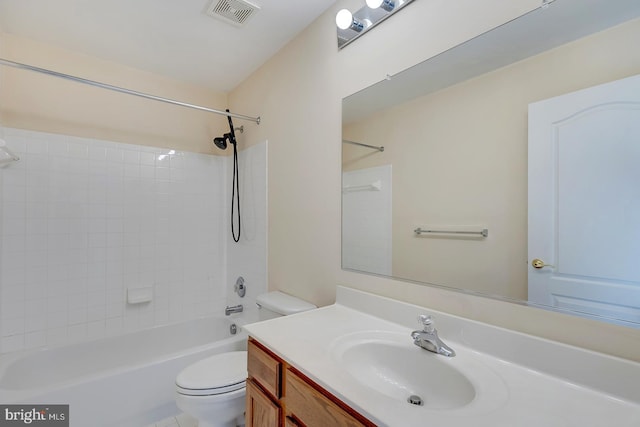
{"x": 415, "y": 400}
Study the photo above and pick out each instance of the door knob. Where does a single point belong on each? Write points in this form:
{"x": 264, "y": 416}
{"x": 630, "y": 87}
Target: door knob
{"x": 538, "y": 263}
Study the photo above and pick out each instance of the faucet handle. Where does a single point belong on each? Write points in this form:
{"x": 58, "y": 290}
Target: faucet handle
{"x": 427, "y": 323}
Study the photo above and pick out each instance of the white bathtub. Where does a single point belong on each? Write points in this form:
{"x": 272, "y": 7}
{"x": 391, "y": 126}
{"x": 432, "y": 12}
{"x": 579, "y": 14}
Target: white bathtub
{"x": 123, "y": 381}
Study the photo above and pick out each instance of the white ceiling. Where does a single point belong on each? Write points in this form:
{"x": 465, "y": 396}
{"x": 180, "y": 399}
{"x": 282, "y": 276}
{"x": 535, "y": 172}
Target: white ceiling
{"x": 173, "y": 38}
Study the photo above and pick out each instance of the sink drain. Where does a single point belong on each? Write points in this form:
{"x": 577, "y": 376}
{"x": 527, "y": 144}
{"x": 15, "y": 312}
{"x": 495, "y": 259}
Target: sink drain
{"x": 415, "y": 400}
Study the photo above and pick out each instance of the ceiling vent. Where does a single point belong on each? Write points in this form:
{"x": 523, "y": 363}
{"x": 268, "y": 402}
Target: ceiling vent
{"x": 235, "y": 12}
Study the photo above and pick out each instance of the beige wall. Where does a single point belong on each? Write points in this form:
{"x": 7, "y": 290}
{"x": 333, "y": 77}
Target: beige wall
{"x": 298, "y": 95}
{"x": 460, "y": 158}
{"x": 34, "y": 101}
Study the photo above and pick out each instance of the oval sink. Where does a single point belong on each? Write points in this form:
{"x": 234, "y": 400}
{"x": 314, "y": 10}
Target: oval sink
{"x": 390, "y": 364}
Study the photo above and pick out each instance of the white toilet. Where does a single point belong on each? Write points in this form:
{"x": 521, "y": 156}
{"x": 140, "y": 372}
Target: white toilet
{"x": 213, "y": 389}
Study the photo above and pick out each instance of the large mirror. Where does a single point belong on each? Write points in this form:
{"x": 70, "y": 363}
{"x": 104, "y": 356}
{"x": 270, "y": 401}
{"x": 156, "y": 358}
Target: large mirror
{"x": 507, "y": 166}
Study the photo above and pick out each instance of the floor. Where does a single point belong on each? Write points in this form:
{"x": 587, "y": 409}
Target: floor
{"x": 182, "y": 420}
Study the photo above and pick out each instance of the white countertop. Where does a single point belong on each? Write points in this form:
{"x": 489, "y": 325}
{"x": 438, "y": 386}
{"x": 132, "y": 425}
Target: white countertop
{"x": 509, "y": 393}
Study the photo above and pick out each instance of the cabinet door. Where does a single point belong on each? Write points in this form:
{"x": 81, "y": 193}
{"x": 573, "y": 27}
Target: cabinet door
{"x": 264, "y": 369}
{"x": 313, "y": 408}
{"x": 290, "y": 422}
{"x": 260, "y": 410}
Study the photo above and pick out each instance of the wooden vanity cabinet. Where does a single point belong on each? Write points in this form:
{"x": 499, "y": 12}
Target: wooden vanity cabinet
{"x": 312, "y": 406}
{"x": 280, "y": 396}
{"x": 260, "y": 410}
{"x": 264, "y": 387}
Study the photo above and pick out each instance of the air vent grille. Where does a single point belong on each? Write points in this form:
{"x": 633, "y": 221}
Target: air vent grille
{"x": 235, "y": 12}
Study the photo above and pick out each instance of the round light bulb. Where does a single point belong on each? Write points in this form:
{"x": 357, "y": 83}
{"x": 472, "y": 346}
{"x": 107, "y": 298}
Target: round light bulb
{"x": 344, "y": 19}
{"x": 387, "y": 5}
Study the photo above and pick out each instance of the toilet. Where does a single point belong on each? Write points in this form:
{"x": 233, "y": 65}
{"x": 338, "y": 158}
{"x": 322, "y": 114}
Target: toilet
{"x": 213, "y": 390}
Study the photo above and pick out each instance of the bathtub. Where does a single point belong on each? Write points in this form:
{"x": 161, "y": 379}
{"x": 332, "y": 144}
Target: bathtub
{"x": 123, "y": 381}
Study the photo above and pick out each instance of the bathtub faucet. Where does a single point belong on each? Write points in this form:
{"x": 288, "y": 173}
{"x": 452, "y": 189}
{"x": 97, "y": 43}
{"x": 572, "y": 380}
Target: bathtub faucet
{"x": 233, "y": 309}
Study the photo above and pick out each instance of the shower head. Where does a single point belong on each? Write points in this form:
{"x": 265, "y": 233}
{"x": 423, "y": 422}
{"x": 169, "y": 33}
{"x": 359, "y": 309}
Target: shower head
{"x": 221, "y": 143}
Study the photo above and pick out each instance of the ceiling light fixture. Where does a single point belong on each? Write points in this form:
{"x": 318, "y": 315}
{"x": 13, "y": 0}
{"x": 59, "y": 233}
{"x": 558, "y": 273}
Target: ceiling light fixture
{"x": 353, "y": 25}
{"x": 387, "y": 5}
{"x": 345, "y": 20}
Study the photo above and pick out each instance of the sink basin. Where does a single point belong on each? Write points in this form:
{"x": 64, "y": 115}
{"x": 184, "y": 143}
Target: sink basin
{"x": 391, "y": 364}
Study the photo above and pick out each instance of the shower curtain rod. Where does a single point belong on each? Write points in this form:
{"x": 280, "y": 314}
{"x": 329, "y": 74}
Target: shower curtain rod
{"x": 123, "y": 90}
{"x": 346, "y": 141}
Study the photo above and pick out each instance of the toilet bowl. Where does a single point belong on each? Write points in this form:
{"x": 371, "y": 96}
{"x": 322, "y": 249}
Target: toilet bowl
{"x": 213, "y": 390}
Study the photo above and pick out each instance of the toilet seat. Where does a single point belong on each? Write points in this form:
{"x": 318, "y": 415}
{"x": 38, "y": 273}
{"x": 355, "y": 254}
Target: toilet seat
{"x": 210, "y": 391}
{"x": 219, "y": 374}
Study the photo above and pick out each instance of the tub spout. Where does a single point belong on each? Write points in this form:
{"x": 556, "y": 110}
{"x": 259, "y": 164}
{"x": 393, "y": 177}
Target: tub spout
{"x": 233, "y": 309}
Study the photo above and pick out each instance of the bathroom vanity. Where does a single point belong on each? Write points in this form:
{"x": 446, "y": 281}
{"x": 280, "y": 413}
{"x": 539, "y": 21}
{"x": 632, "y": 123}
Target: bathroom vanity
{"x": 355, "y": 364}
{"x": 276, "y": 391}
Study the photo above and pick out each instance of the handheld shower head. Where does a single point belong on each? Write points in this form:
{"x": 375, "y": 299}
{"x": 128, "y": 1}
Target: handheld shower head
{"x": 235, "y": 185}
{"x": 220, "y": 142}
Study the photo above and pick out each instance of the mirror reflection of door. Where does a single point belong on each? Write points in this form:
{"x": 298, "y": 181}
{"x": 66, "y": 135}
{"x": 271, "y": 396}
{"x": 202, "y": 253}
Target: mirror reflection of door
{"x": 584, "y": 200}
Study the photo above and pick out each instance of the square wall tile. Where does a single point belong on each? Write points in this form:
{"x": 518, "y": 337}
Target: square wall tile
{"x": 84, "y": 219}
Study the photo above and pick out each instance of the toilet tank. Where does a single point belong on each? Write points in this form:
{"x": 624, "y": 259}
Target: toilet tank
{"x": 275, "y": 304}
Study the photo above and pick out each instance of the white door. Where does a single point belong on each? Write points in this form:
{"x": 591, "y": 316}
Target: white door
{"x": 584, "y": 200}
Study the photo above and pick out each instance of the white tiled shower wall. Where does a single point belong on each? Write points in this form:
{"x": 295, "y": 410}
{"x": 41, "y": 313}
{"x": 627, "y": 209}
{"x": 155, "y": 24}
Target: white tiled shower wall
{"x": 367, "y": 217}
{"x": 248, "y": 257}
{"x": 84, "y": 220}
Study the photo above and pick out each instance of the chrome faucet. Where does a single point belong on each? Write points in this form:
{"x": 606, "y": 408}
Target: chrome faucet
{"x": 428, "y": 338}
{"x": 233, "y": 309}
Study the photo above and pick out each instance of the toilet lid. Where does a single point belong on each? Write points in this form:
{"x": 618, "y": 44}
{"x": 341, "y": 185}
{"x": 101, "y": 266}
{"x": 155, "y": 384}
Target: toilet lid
{"x": 221, "y": 373}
